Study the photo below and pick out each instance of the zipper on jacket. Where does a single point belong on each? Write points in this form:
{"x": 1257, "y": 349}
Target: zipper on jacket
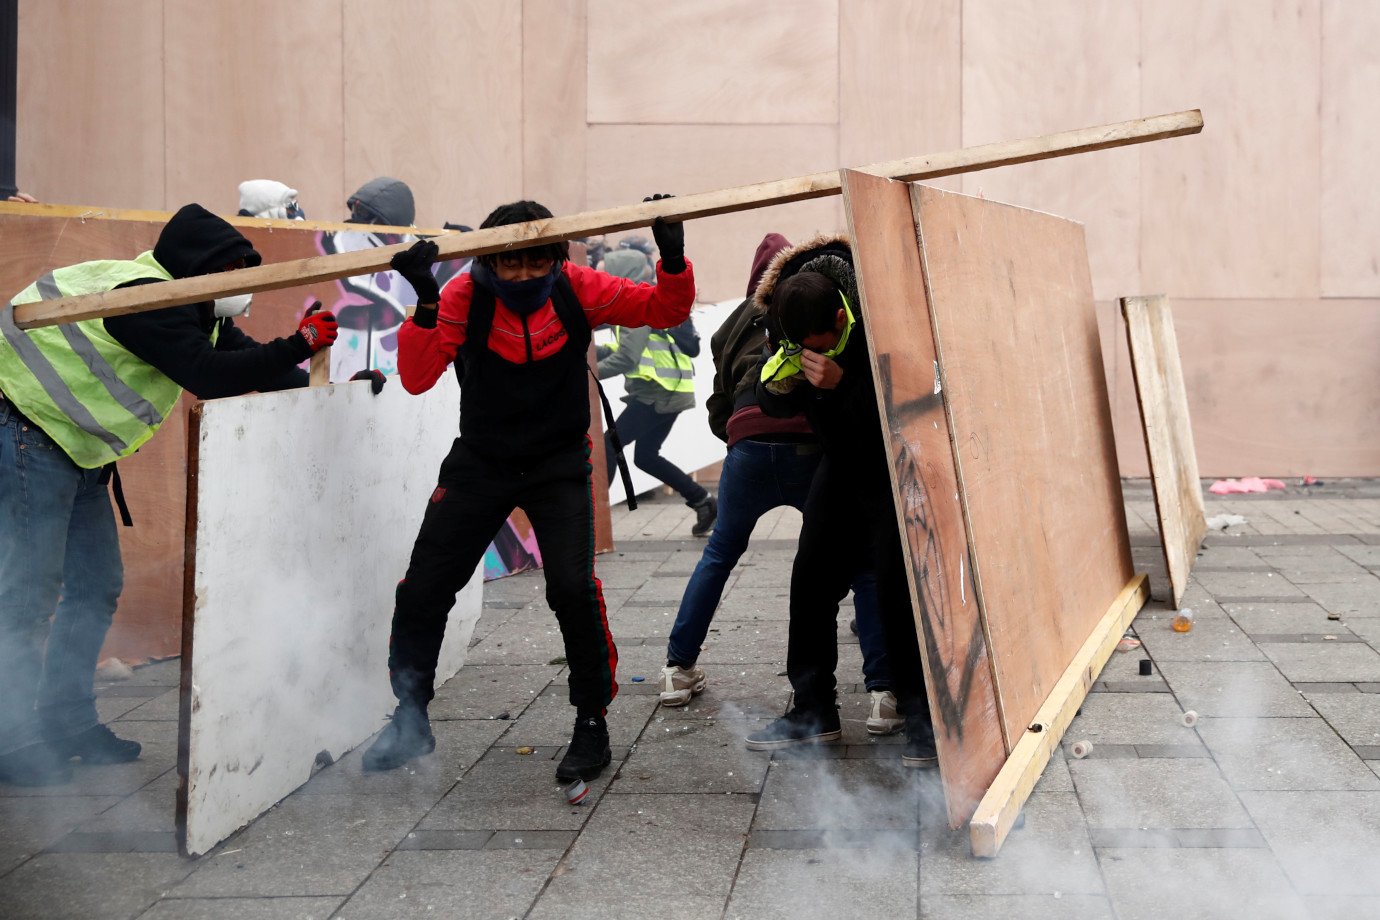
{"x": 527, "y": 338}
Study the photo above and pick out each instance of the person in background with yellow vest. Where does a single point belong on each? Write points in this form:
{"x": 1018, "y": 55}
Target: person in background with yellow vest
{"x": 660, "y": 382}
{"x": 75, "y": 398}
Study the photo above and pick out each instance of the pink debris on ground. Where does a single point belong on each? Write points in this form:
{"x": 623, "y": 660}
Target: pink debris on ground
{"x": 1246, "y": 484}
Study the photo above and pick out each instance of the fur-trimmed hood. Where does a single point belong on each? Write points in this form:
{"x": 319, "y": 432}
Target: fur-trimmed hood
{"x": 829, "y": 254}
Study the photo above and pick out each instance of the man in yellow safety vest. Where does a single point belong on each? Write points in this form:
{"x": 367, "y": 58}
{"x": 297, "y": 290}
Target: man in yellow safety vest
{"x": 75, "y": 398}
{"x": 660, "y": 381}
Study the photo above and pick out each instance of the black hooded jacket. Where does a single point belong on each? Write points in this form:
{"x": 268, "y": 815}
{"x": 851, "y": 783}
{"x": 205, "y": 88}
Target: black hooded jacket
{"x": 847, "y": 418}
{"x": 177, "y": 340}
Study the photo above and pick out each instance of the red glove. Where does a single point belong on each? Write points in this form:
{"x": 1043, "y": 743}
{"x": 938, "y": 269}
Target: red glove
{"x": 318, "y": 330}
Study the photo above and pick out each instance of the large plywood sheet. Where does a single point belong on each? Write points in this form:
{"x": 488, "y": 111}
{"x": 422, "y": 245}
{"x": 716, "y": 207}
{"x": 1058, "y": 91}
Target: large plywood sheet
{"x": 1159, "y": 380}
{"x": 714, "y": 62}
{"x": 1018, "y": 345}
{"x": 958, "y": 668}
{"x": 291, "y": 588}
{"x": 1282, "y": 387}
{"x": 900, "y": 90}
{"x": 553, "y": 103}
{"x": 1233, "y": 212}
{"x": 1035, "y": 68}
{"x": 438, "y": 104}
{"x": 252, "y": 90}
{"x": 90, "y": 102}
{"x": 629, "y": 162}
{"x": 1350, "y": 196}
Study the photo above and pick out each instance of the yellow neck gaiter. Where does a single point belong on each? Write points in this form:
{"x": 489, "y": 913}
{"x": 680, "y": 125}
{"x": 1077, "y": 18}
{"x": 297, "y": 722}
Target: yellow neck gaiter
{"x": 786, "y": 361}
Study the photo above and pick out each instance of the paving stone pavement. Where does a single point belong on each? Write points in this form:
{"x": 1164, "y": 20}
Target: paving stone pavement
{"x": 1268, "y": 807}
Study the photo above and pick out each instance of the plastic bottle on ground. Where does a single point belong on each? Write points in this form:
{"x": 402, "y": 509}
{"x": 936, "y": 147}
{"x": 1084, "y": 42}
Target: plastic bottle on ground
{"x": 1183, "y": 621}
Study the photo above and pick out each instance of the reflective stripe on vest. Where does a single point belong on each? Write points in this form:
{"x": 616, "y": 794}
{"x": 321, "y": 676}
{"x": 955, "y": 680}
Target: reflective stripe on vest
{"x": 96, "y": 399}
{"x": 662, "y": 363}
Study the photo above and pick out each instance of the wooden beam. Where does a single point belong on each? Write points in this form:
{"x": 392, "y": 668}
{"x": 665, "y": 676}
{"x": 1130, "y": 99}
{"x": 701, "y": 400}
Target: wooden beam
{"x": 320, "y": 373}
{"x": 997, "y": 811}
{"x": 705, "y": 204}
{"x": 87, "y": 212}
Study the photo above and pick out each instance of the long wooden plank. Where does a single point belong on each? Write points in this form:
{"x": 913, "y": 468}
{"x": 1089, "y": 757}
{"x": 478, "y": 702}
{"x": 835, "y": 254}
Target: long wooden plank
{"x": 1163, "y": 400}
{"x": 92, "y": 212}
{"x": 1017, "y": 338}
{"x": 495, "y": 239}
{"x": 963, "y": 696}
{"x": 997, "y": 812}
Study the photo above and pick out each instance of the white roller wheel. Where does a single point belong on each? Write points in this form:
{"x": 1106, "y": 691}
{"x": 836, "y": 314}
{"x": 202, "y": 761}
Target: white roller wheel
{"x": 1080, "y": 749}
{"x": 1189, "y": 719}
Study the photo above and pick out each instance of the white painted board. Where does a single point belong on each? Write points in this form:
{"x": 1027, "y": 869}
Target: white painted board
{"x": 691, "y": 445}
{"x": 306, "y": 506}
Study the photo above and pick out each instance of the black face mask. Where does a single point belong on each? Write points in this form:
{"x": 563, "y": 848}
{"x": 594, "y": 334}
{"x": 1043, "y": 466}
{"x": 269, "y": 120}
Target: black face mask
{"x": 522, "y": 297}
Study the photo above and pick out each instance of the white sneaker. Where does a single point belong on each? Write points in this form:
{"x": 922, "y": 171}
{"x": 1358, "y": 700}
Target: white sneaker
{"x": 884, "y": 719}
{"x": 678, "y": 685}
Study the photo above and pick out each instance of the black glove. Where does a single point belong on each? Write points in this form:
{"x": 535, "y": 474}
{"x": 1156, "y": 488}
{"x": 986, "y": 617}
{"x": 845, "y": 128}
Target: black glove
{"x": 670, "y": 239}
{"x": 375, "y": 377}
{"x": 414, "y": 264}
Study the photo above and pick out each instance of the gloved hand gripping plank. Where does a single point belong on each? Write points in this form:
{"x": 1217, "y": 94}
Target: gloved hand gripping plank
{"x": 496, "y": 239}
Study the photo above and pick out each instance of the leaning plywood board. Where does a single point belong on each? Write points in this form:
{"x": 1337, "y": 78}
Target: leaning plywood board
{"x": 958, "y": 668}
{"x": 1011, "y": 306}
{"x": 1163, "y": 400}
{"x": 302, "y": 509}
{"x": 1011, "y": 301}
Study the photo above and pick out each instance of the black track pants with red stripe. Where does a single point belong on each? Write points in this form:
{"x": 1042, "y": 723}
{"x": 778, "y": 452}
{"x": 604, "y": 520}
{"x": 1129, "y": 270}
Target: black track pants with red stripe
{"x": 474, "y": 497}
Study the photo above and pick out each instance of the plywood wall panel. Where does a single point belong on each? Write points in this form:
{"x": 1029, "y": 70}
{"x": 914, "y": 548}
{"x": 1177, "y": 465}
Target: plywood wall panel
{"x": 1350, "y": 223}
{"x": 899, "y": 86}
{"x": 90, "y": 102}
{"x": 553, "y": 103}
{"x": 253, "y": 92}
{"x": 1232, "y": 212}
{"x": 714, "y": 62}
{"x": 628, "y": 162}
{"x": 1032, "y": 68}
{"x": 438, "y": 105}
{"x": 1282, "y": 388}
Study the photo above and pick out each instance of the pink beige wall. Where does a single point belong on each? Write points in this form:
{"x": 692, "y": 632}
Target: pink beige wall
{"x": 1263, "y": 229}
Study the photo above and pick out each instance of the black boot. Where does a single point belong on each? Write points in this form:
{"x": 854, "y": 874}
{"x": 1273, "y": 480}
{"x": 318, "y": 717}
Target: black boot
{"x": 919, "y": 751}
{"x": 706, "y": 512}
{"x": 407, "y": 737}
{"x": 34, "y": 765}
{"x": 588, "y": 753}
{"x": 97, "y": 745}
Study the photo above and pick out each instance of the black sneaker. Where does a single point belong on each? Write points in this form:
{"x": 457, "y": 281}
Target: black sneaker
{"x": 405, "y": 738}
{"x": 34, "y": 765}
{"x": 706, "y": 512}
{"x": 97, "y": 745}
{"x": 799, "y": 726}
{"x": 588, "y": 753}
{"x": 919, "y": 752}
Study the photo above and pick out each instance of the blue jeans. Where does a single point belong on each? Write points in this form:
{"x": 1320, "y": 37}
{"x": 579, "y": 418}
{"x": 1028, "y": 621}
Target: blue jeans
{"x": 59, "y": 554}
{"x": 758, "y": 476}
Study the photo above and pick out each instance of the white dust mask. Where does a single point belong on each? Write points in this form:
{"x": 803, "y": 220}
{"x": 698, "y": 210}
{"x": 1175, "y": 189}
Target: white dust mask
{"x": 237, "y": 305}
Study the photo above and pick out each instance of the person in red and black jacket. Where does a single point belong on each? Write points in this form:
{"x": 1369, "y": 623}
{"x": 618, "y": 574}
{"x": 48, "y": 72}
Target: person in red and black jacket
{"x": 517, "y": 329}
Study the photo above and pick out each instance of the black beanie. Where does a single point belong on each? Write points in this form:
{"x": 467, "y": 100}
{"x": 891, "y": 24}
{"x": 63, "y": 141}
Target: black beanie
{"x": 197, "y": 242}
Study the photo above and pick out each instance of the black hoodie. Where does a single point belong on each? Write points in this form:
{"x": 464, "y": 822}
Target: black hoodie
{"x": 177, "y": 340}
